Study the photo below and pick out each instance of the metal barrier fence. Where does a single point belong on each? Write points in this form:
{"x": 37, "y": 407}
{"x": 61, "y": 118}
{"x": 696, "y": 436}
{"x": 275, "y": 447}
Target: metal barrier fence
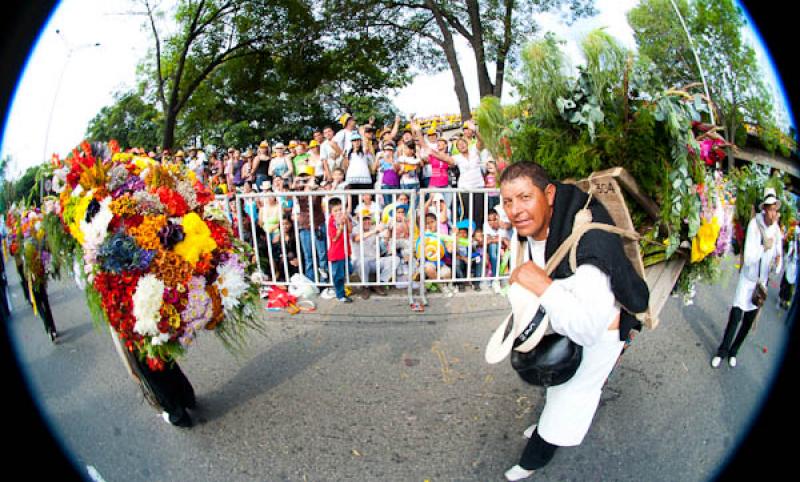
{"x": 289, "y": 234}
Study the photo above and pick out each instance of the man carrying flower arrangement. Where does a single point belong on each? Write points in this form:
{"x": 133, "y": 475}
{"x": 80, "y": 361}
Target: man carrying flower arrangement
{"x": 762, "y": 249}
{"x": 37, "y": 258}
{"x": 162, "y": 265}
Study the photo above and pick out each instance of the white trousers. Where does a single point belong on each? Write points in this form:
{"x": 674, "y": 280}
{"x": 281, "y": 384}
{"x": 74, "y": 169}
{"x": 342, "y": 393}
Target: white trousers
{"x": 570, "y": 407}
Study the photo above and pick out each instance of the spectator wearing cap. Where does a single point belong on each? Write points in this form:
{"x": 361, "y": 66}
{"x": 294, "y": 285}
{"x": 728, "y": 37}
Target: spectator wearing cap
{"x": 261, "y": 162}
{"x": 388, "y": 170}
{"x": 179, "y": 158}
{"x": 763, "y": 245}
{"x": 367, "y": 132}
{"x": 279, "y": 167}
{"x": 357, "y": 166}
{"x": 247, "y": 166}
{"x": 315, "y": 160}
{"x": 470, "y": 134}
{"x": 344, "y": 137}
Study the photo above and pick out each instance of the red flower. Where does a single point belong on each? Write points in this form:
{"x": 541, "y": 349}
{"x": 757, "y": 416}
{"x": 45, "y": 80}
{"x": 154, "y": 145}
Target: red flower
{"x": 155, "y": 364}
{"x": 174, "y": 202}
{"x": 219, "y": 234}
{"x": 204, "y": 195}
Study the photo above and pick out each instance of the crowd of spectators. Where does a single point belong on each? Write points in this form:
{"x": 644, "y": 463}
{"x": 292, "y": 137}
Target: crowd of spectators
{"x": 379, "y": 238}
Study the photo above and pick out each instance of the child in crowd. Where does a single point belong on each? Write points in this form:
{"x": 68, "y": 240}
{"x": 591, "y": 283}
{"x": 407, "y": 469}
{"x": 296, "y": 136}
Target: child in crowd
{"x": 467, "y": 257}
{"x": 435, "y": 254}
{"x": 339, "y": 250}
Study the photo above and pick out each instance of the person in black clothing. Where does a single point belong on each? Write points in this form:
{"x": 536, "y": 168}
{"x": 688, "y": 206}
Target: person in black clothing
{"x": 172, "y": 390}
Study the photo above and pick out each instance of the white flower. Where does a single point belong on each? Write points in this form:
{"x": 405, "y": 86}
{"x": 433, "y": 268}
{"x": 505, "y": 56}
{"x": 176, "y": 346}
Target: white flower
{"x": 95, "y": 231}
{"x": 230, "y": 283}
{"x": 146, "y": 305}
{"x": 160, "y": 339}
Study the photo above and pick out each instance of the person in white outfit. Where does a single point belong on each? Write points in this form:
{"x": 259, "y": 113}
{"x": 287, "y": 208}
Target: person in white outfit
{"x": 762, "y": 249}
{"x": 790, "y": 270}
{"x": 584, "y": 306}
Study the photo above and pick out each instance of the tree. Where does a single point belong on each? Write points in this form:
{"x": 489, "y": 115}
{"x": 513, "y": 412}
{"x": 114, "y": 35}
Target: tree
{"x": 210, "y": 33}
{"x": 492, "y": 29}
{"x": 732, "y": 72}
{"x": 129, "y": 120}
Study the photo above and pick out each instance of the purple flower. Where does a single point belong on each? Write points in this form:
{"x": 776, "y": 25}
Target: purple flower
{"x": 171, "y": 234}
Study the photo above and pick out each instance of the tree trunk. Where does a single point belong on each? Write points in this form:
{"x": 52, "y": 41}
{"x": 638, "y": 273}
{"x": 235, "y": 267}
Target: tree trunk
{"x": 170, "y": 121}
{"x": 502, "y": 53}
{"x": 485, "y": 86}
{"x": 452, "y": 59}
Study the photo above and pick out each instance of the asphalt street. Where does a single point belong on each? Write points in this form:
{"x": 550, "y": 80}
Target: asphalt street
{"x": 374, "y": 391}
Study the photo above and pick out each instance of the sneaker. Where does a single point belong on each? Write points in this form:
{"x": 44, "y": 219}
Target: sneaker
{"x": 528, "y": 433}
{"x": 346, "y": 299}
{"x": 715, "y": 362}
{"x": 476, "y": 287}
{"x": 496, "y": 287}
{"x": 53, "y": 336}
{"x": 328, "y": 294}
{"x": 517, "y": 473}
{"x": 732, "y": 362}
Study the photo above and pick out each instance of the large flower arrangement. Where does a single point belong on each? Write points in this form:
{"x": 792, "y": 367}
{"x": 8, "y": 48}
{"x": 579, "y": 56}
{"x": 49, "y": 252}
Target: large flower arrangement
{"x": 34, "y": 248}
{"x": 160, "y": 265}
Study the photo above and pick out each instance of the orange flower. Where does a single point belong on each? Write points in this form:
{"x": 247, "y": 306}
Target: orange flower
{"x": 146, "y": 234}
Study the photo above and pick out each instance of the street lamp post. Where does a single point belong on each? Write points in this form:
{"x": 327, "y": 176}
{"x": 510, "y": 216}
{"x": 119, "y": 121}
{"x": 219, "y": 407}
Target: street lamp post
{"x": 70, "y": 50}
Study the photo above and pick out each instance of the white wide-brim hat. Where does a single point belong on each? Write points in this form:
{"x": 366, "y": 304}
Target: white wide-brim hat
{"x": 770, "y": 197}
{"x": 527, "y": 321}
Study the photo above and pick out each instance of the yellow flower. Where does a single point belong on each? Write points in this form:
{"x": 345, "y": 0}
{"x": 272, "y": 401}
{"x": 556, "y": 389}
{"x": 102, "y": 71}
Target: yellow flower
{"x": 706, "y": 240}
{"x": 80, "y": 214}
{"x": 197, "y": 240}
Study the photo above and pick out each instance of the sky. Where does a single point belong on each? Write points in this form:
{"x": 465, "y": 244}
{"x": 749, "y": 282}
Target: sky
{"x": 68, "y": 79}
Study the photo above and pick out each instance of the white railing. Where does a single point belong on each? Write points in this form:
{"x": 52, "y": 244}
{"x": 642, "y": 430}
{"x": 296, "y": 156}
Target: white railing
{"x": 396, "y": 260}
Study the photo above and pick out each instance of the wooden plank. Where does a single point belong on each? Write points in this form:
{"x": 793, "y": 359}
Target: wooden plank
{"x": 661, "y": 278}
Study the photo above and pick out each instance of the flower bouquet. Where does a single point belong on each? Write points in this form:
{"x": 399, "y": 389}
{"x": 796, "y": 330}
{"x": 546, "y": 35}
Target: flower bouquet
{"x": 159, "y": 266}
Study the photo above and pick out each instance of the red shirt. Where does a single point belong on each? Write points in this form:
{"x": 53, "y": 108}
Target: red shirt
{"x": 336, "y": 251}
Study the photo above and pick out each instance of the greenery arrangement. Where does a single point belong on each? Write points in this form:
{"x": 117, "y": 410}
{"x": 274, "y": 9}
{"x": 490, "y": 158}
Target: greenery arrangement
{"x": 615, "y": 112}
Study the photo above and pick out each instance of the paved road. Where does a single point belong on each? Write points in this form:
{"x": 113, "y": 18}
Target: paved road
{"x": 372, "y": 391}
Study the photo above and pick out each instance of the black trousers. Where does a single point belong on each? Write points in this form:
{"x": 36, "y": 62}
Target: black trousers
{"x": 786, "y": 291}
{"x": 538, "y": 452}
{"x": 24, "y": 282}
{"x": 43, "y": 305}
{"x": 172, "y": 389}
{"x": 732, "y": 339}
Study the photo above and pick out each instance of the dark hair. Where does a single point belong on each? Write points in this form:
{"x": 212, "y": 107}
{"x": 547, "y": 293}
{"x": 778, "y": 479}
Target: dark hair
{"x": 531, "y": 170}
{"x": 430, "y": 215}
{"x": 334, "y": 202}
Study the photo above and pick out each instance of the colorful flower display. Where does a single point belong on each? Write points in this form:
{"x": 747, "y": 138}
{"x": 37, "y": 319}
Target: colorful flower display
{"x": 164, "y": 269}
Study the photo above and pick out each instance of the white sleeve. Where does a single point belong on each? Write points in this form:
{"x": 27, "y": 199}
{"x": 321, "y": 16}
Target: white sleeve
{"x": 752, "y": 245}
{"x": 582, "y": 306}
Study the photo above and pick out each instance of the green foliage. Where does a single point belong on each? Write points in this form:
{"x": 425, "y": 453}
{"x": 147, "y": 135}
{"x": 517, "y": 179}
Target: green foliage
{"x": 130, "y": 120}
{"x": 63, "y": 248}
{"x": 731, "y": 69}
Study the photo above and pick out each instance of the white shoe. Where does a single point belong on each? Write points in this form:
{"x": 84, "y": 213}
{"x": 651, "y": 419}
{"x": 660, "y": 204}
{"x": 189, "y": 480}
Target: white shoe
{"x": 165, "y": 416}
{"x": 496, "y": 287}
{"x": 732, "y": 362}
{"x": 517, "y": 473}
{"x": 528, "y": 433}
{"x": 715, "y": 362}
{"x": 328, "y": 294}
